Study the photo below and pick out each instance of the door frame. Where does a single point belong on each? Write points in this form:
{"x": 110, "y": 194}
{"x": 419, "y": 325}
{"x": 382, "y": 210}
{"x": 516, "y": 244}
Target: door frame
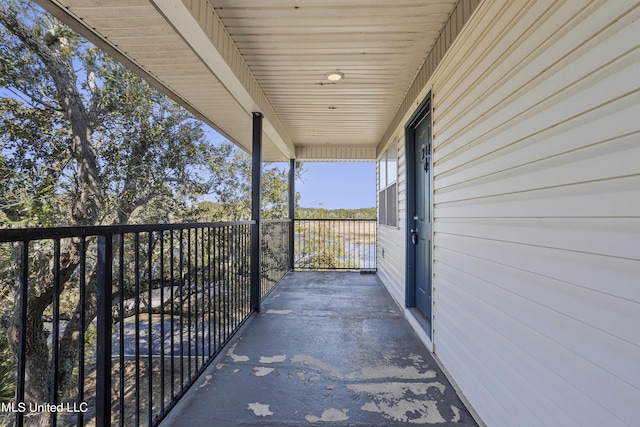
{"x": 416, "y": 118}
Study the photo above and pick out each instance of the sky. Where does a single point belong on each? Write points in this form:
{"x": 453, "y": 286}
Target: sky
{"x": 330, "y": 185}
{"x": 336, "y": 185}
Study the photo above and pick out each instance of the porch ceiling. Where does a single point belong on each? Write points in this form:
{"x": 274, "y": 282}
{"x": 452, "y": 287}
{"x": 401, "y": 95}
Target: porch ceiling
{"x": 224, "y": 59}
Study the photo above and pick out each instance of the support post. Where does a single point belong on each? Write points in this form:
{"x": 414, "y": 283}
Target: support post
{"x": 292, "y": 211}
{"x": 103, "y": 333}
{"x": 256, "y": 206}
{"x": 22, "y": 333}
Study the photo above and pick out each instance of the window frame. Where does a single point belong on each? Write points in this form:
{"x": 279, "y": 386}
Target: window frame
{"x": 388, "y": 190}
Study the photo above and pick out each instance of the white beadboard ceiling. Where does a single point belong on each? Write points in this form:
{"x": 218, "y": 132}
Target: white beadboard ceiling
{"x": 224, "y": 59}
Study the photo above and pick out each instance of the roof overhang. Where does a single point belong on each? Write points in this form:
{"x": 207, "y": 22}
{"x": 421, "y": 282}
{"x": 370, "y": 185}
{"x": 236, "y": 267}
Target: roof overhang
{"x": 224, "y": 60}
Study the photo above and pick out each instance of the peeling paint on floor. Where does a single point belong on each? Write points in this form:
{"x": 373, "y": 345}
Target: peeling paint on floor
{"x": 261, "y": 371}
{"x": 206, "y": 381}
{"x": 456, "y": 414}
{"x": 312, "y": 361}
{"x": 408, "y": 372}
{"x": 273, "y": 359}
{"x": 329, "y": 415}
{"x": 403, "y": 401}
{"x": 340, "y": 366}
{"x": 236, "y": 357}
{"x": 416, "y": 358}
{"x": 260, "y": 409}
{"x": 414, "y": 411}
{"x": 279, "y": 312}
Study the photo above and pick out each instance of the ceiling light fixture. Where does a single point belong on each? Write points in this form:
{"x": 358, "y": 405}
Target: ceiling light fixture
{"x": 334, "y": 76}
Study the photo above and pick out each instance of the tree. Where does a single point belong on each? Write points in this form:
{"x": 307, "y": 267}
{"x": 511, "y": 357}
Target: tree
{"x": 230, "y": 170}
{"x": 322, "y": 213}
{"x": 83, "y": 141}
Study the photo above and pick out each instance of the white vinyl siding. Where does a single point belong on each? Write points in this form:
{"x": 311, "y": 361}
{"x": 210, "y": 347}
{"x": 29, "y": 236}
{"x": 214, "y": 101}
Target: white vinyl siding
{"x": 536, "y": 281}
{"x": 537, "y": 213}
{"x": 391, "y": 240}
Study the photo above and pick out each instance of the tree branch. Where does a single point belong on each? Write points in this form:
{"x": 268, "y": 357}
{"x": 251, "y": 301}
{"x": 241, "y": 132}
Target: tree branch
{"x": 86, "y": 209}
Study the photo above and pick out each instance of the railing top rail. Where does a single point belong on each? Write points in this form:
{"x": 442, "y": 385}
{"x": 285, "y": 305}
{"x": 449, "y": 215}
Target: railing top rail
{"x": 28, "y": 234}
{"x": 338, "y": 219}
{"x": 275, "y": 220}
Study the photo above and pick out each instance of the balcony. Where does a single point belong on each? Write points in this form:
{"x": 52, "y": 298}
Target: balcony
{"x": 173, "y": 311}
{"x": 326, "y": 347}
{"x": 529, "y": 116}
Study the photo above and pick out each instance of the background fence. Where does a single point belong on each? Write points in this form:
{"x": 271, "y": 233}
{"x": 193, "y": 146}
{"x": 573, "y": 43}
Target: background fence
{"x": 335, "y": 244}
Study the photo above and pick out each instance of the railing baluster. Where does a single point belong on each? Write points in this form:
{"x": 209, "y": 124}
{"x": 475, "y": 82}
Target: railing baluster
{"x": 203, "y": 277}
{"x": 150, "y": 328}
{"x": 181, "y": 296}
{"x": 173, "y": 315}
{"x": 354, "y": 246}
{"x": 239, "y": 292}
{"x": 189, "y": 278}
{"x": 121, "y": 304}
{"x": 219, "y": 288}
{"x": 229, "y": 283}
{"x": 196, "y": 360}
{"x": 226, "y": 284}
{"x": 22, "y": 332}
{"x": 209, "y": 285}
{"x": 83, "y": 327}
{"x": 136, "y": 245}
{"x": 246, "y": 282}
{"x": 162, "y": 336}
{"x": 55, "y": 334}
{"x": 103, "y": 335}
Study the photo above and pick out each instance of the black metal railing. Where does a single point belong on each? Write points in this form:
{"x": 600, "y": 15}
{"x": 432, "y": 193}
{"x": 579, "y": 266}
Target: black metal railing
{"x": 275, "y": 253}
{"x": 111, "y": 325}
{"x": 335, "y": 244}
{"x": 132, "y": 314}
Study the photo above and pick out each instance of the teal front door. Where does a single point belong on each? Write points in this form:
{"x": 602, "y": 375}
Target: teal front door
{"x": 420, "y": 222}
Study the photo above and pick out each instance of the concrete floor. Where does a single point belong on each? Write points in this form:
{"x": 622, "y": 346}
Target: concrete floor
{"x": 327, "y": 348}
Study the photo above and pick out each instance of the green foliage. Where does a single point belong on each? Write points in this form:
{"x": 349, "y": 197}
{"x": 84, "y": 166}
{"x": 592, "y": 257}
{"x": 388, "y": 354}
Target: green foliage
{"x": 321, "y": 213}
{"x": 34, "y": 137}
{"x": 7, "y": 356}
{"x": 152, "y": 149}
{"x": 7, "y": 371}
{"x": 230, "y": 170}
{"x": 147, "y": 148}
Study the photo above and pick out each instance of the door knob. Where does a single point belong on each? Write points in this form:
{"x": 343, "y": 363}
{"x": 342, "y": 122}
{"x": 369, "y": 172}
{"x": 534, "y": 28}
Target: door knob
{"x": 414, "y": 236}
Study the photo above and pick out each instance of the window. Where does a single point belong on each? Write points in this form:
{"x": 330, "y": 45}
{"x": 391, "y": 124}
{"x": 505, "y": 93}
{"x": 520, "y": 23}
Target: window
{"x": 387, "y": 187}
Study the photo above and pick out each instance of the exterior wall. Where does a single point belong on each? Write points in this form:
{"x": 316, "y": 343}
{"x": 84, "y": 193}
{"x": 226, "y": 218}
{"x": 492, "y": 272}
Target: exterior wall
{"x": 537, "y": 212}
{"x": 390, "y": 240}
{"x": 391, "y": 259}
